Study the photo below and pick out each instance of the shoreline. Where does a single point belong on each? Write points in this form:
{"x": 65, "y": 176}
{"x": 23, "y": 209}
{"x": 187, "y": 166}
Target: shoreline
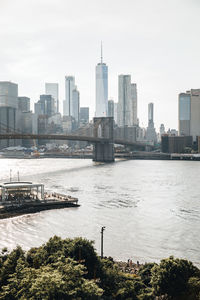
{"x": 31, "y": 208}
{"x": 125, "y": 156}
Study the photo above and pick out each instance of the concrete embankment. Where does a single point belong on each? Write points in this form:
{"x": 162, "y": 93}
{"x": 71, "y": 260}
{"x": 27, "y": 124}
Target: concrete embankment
{"x": 30, "y": 208}
{"x": 144, "y": 155}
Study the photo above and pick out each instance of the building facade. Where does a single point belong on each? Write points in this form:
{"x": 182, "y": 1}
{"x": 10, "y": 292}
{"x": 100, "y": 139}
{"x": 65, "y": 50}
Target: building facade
{"x": 184, "y": 113}
{"x": 23, "y": 104}
{"x": 127, "y": 101}
{"x": 175, "y": 144}
{"x": 47, "y": 103}
{"x": 84, "y": 115}
{"x": 101, "y": 109}
{"x": 110, "y": 108}
{"x": 67, "y": 103}
{"x": 124, "y": 100}
{"x": 161, "y": 131}
{"x": 133, "y": 104}
{"x": 115, "y": 112}
{"x": 151, "y": 133}
{"x": 8, "y": 110}
{"x": 75, "y": 105}
{"x": 29, "y": 124}
{"x": 189, "y": 113}
{"x": 52, "y": 89}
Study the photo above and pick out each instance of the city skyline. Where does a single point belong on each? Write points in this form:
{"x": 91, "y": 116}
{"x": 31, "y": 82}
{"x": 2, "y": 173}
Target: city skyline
{"x": 138, "y": 40}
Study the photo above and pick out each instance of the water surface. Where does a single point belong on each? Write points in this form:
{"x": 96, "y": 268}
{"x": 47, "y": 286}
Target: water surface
{"x": 151, "y": 209}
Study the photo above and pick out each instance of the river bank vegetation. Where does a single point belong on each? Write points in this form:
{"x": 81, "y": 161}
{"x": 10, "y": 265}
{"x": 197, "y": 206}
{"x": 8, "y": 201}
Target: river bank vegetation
{"x": 71, "y": 269}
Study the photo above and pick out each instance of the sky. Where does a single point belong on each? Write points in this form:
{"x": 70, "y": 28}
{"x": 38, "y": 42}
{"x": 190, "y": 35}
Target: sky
{"x": 155, "y": 41}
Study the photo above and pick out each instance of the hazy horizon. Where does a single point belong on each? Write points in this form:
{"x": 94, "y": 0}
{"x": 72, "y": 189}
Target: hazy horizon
{"x": 155, "y": 41}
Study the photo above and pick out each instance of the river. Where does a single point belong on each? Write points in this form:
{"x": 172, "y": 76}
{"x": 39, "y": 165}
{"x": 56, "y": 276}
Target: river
{"x": 151, "y": 209}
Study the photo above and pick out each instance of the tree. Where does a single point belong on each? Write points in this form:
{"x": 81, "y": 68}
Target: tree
{"x": 193, "y": 288}
{"x": 171, "y": 277}
{"x": 78, "y": 249}
{"x": 64, "y": 280}
{"x": 145, "y": 273}
{"x": 8, "y": 264}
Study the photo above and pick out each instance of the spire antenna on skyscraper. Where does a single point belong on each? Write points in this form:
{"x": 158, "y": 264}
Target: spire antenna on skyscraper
{"x": 101, "y": 109}
{"x": 101, "y": 53}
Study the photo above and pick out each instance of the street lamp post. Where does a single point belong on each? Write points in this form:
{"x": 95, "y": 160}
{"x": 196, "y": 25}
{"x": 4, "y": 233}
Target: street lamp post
{"x": 102, "y": 230}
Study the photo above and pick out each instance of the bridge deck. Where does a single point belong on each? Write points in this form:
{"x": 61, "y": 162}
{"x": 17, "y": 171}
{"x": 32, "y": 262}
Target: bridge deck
{"x": 17, "y": 136}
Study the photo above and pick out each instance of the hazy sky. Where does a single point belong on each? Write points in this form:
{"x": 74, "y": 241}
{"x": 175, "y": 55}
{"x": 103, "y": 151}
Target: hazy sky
{"x": 156, "y": 41}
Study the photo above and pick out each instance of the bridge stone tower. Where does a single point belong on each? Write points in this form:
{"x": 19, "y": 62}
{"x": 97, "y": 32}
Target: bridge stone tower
{"x": 103, "y": 150}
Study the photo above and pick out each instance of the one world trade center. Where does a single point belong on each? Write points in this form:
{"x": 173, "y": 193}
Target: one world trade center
{"x": 101, "y": 88}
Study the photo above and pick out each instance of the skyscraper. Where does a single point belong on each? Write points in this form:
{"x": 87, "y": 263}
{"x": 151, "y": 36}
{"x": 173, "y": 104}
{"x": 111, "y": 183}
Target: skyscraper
{"x": 84, "y": 115}
{"x": 124, "y": 100}
{"x": 101, "y": 88}
{"x": 110, "y": 108}
{"x": 45, "y": 106}
{"x": 184, "y": 113}
{"x": 75, "y": 105}
{"x": 150, "y": 114}
{"x": 162, "y": 129}
{"x": 52, "y": 89}
{"x": 133, "y": 104}
{"x": 151, "y": 133}
{"x": 24, "y": 104}
{"x": 67, "y": 103}
{"x": 8, "y": 110}
{"x": 127, "y": 101}
{"x": 189, "y": 113}
{"x": 115, "y": 112}
{"x": 71, "y": 104}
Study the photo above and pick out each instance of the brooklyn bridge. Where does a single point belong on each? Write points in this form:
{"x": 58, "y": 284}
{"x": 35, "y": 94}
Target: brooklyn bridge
{"x": 101, "y": 134}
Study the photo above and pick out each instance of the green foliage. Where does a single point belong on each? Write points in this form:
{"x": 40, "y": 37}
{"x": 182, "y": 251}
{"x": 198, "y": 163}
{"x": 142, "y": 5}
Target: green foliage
{"x": 145, "y": 273}
{"x": 171, "y": 277}
{"x": 79, "y": 249}
{"x": 71, "y": 269}
{"x": 8, "y": 264}
{"x": 193, "y": 288}
{"x": 63, "y": 280}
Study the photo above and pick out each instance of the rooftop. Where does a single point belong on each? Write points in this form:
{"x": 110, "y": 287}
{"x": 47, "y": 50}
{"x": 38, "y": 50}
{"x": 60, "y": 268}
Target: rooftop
{"x": 19, "y": 184}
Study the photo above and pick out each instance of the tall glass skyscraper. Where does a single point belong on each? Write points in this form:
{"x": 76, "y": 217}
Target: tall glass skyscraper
{"x": 101, "y": 89}
{"x": 71, "y": 104}
{"x": 52, "y": 89}
{"x": 133, "y": 104}
{"x": 68, "y": 102}
{"x": 127, "y": 101}
{"x": 75, "y": 105}
{"x": 124, "y": 100}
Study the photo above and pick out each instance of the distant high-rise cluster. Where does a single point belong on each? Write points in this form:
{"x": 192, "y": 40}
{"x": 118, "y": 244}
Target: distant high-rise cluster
{"x": 16, "y": 113}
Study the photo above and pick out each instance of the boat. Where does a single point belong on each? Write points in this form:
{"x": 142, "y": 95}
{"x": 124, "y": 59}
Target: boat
{"x": 22, "y": 197}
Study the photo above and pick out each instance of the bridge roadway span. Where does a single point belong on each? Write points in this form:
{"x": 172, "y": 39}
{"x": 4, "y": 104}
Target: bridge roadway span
{"x": 18, "y": 136}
